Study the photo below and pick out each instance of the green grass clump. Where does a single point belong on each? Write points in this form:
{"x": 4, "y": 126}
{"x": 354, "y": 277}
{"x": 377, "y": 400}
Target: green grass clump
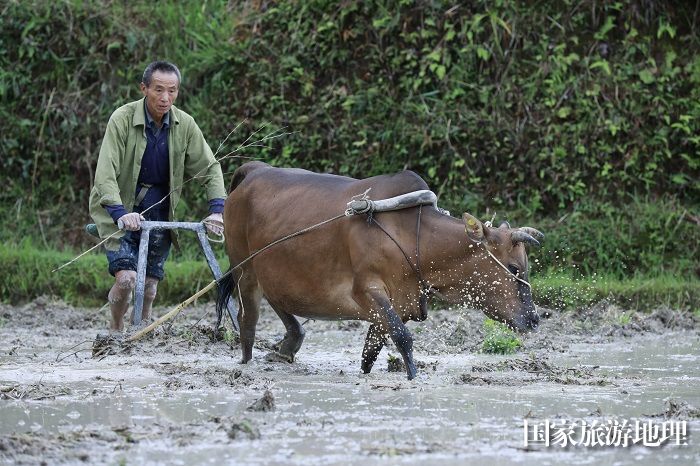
{"x": 230, "y": 337}
{"x": 499, "y": 339}
{"x": 625, "y": 318}
{"x": 395, "y": 364}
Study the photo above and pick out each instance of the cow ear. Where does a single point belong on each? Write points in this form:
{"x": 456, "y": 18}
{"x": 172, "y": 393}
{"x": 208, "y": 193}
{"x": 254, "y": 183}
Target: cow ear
{"x": 473, "y": 227}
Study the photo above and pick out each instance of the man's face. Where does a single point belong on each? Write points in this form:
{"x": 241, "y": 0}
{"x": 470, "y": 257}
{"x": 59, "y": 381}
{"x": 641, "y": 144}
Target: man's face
{"x": 161, "y": 94}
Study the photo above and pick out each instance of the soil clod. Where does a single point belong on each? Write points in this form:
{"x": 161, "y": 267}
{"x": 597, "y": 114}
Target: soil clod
{"x": 107, "y": 344}
{"x": 395, "y": 364}
{"x": 266, "y": 403}
{"x": 678, "y": 409}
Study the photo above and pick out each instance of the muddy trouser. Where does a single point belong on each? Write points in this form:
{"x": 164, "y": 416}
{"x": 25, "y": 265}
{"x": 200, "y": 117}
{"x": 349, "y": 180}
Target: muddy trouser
{"x": 127, "y": 256}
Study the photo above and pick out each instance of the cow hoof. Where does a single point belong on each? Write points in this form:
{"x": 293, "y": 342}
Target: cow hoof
{"x": 411, "y": 372}
{"x": 279, "y": 357}
{"x": 289, "y": 344}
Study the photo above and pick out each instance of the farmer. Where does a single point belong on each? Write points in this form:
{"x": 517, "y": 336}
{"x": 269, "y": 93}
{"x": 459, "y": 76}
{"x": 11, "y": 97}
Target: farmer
{"x": 150, "y": 147}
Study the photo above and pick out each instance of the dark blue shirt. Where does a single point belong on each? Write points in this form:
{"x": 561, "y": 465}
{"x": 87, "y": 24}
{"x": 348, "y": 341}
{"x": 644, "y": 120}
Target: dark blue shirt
{"x": 155, "y": 166}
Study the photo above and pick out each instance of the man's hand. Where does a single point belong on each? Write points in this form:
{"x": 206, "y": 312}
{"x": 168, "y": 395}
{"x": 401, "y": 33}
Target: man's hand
{"x": 215, "y": 224}
{"x": 130, "y": 222}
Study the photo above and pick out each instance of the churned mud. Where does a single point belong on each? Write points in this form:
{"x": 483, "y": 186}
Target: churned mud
{"x": 180, "y": 396}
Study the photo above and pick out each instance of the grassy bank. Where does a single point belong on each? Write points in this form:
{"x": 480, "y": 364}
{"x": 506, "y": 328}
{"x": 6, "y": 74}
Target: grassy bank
{"x": 638, "y": 293}
{"x": 28, "y": 274}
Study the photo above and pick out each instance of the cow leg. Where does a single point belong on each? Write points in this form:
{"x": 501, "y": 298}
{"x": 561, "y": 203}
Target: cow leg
{"x": 249, "y": 297}
{"x": 374, "y": 342}
{"x": 293, "y": 338}
{"x": 390, "y": 323}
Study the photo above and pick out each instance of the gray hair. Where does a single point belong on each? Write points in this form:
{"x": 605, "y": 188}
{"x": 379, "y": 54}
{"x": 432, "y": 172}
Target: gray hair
{"x": 163, "y": 66}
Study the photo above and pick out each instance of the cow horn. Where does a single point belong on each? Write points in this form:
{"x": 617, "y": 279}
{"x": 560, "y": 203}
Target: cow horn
{"x": 537, "y": 234}
{"x": 519, "y": 236}
{"x": 473, "y": 227}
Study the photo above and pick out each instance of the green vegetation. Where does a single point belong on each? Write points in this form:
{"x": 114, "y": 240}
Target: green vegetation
{"x": 580, "y": 118}
{"x": 642, "y": 237}
{"x": 499, "y": 339}
{"x": 624, "y": 318}
{"x": 640, "y": 293}
{"x": 28, "y": 274}
{"x": 395, "y": 363}
{"x": 187, "y": 335}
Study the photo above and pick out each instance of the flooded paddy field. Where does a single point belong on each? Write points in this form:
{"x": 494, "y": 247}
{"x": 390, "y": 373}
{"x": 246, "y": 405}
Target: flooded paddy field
{"x": 181, "y": 396}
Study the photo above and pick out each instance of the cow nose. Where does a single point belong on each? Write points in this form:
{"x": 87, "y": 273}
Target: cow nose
{"x": 527, "y": 321}
{"x": 534, "y": 320}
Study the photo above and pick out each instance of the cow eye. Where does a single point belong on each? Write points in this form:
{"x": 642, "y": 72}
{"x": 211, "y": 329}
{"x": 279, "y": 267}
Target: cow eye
{"x": 514, "y": 270}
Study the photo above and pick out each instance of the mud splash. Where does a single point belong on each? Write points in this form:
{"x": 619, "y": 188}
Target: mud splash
{"x": 181, "y": 397}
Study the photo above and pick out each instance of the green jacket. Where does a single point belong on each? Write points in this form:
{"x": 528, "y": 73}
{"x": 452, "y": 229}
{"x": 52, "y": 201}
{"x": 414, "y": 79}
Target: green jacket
{"x": 119, "y": 164}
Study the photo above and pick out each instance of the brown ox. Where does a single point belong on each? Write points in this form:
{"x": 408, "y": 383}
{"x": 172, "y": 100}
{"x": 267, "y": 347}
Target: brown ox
{"x": 351, "y": 269}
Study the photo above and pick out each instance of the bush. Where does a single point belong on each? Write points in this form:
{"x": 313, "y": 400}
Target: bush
{"x": 543, "y": 107}
{"x": 647, "y": 237}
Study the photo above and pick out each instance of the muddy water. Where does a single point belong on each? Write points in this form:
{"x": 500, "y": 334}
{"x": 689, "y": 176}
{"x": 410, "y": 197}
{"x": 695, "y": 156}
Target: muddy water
{"x": 182, "y": 399}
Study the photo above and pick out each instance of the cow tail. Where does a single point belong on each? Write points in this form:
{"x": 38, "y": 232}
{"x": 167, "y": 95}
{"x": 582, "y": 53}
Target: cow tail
{"x": 225, "y": 289}
{"x": 225, "y": 284}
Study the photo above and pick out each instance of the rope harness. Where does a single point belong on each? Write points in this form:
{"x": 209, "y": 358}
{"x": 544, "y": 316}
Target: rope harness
{"x": 221, "y": 238}
{"x": 425, "y": 289}
{"x": 525, "y": 282}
